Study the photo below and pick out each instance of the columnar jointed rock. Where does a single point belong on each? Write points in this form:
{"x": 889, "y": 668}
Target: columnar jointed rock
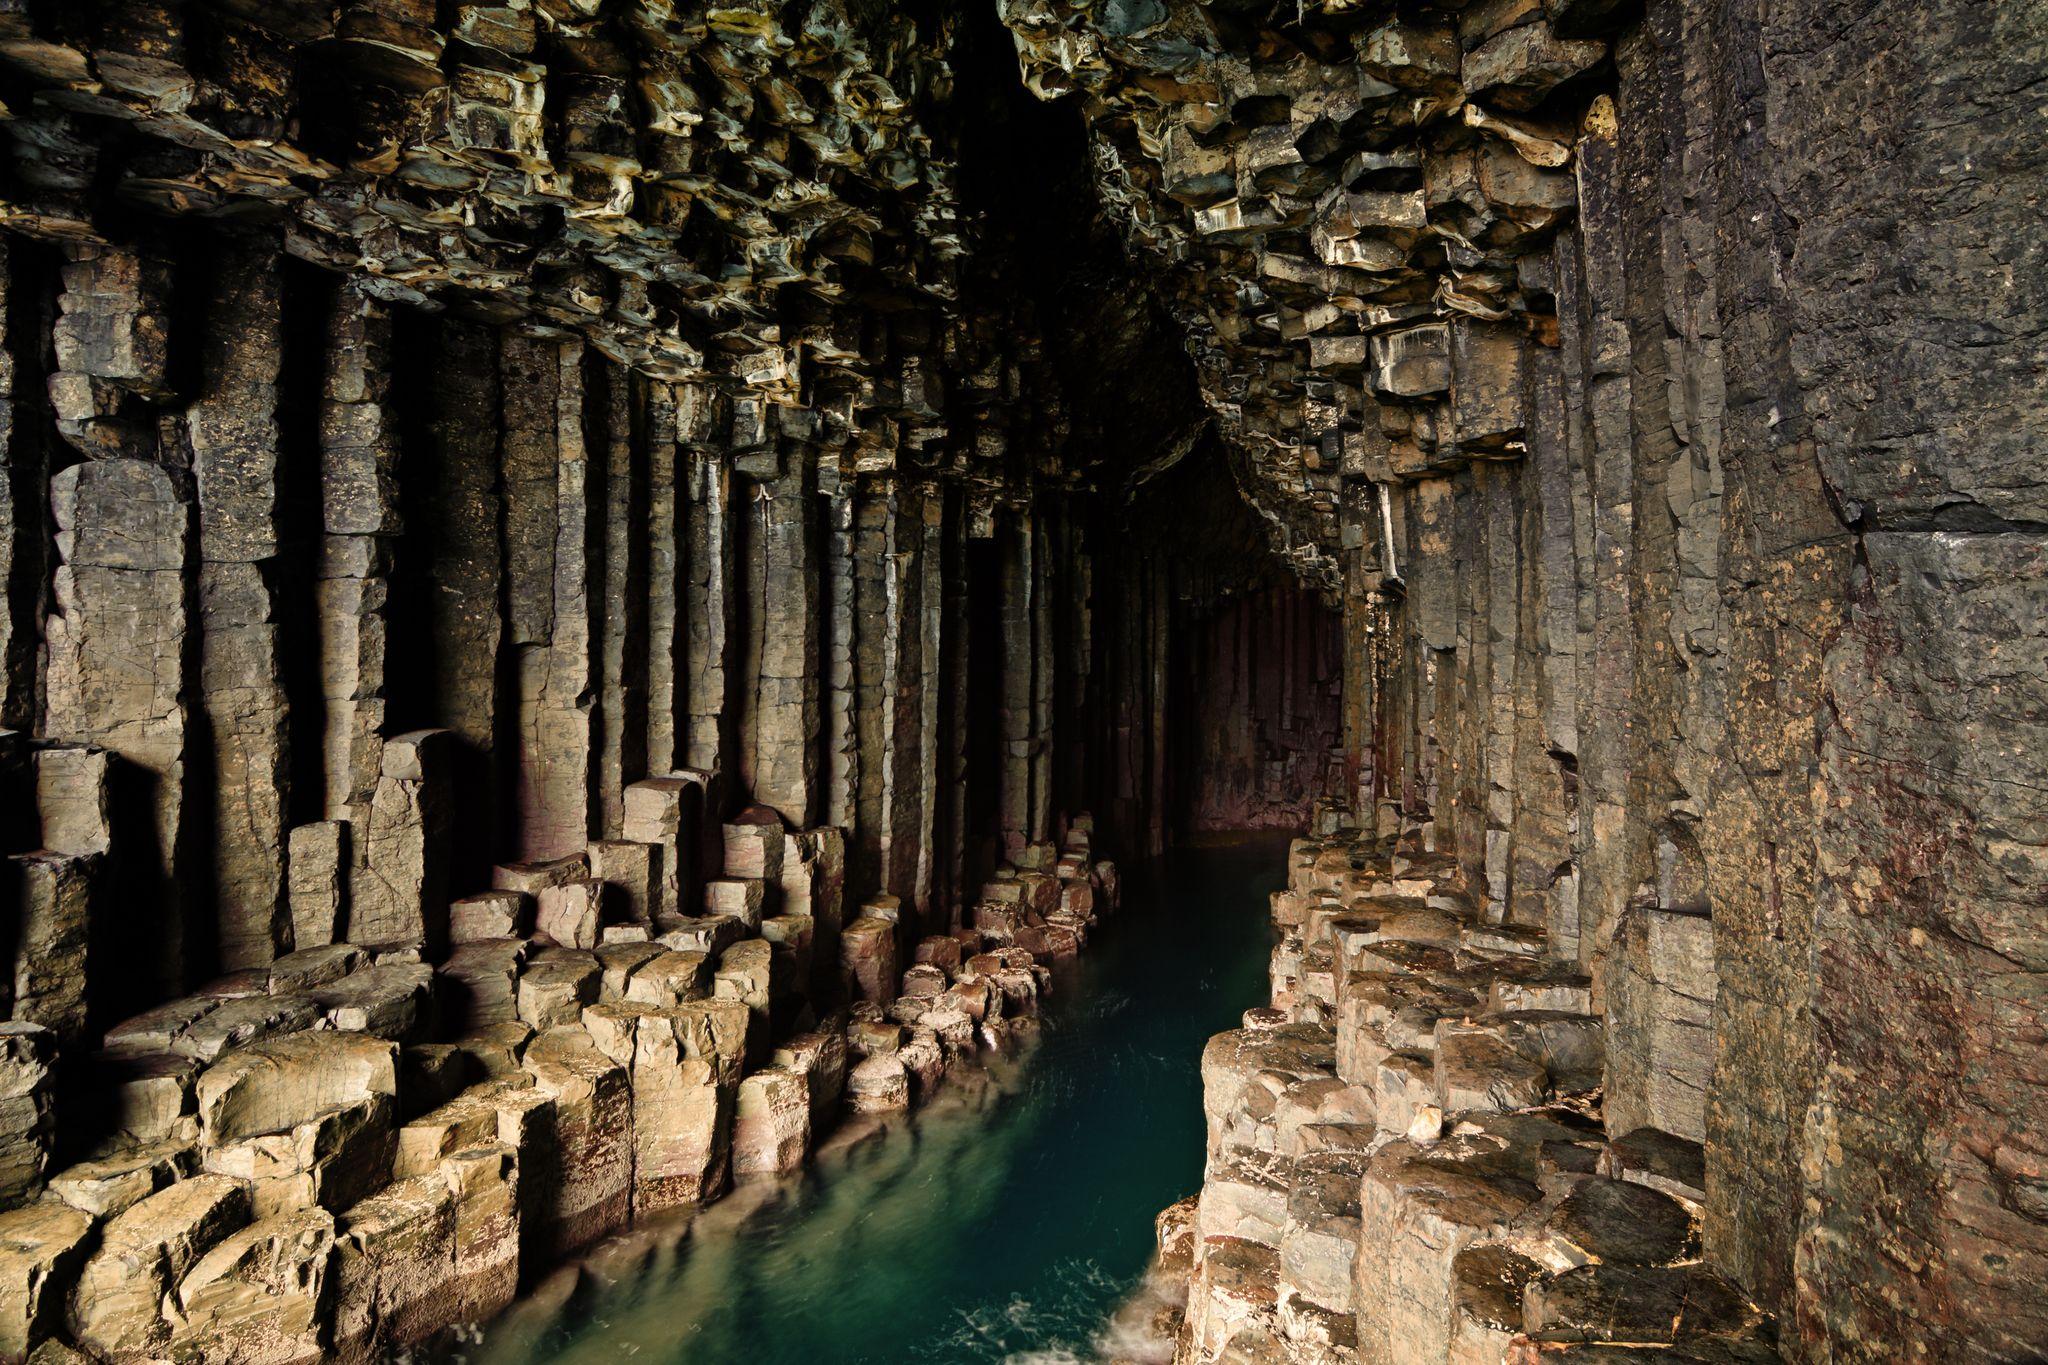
{"x": 1405, "y": 1161}
{"x": 1594, "y": 443}
{"x": 299, "y": 1173}
{"x": 27, "y": 1105}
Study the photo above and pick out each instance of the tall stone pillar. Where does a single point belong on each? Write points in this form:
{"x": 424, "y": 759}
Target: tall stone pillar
{"x": 465, "y": 577}
{"x": 1603, "y": 856}
{"x": 1044, "y": 676}
{"x": 666, "y": 652}
{"x": 842, "y": 630}
{"x": 617, "y": 598}
{"x": 874, "y": 632}
{"x": 931, "y": 569}
{"x": 949, "y": 837}
{"x": 233, "y": 426}
{"x": 785, "y": 715}
{"x": 359, "y": 515}
{"x": 707, "y": 583}
{"x": 116, "y": 633}
{"x": 547, "y": 479}
{"x": 24, "y": 480}
{"x": 1015, "y": 582}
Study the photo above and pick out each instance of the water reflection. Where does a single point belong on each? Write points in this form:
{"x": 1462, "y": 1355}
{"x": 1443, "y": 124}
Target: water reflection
{"x": 1004, "y": 1222}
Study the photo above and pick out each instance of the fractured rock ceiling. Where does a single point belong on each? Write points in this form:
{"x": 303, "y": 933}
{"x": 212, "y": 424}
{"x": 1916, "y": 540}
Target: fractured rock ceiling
{"x": 763, "y": 201}
{"x": 1338, "y": 210}
{"x": 1349, "y": 207}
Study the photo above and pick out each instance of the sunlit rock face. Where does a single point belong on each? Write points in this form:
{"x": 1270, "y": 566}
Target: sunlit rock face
{"x": 587, "y": 586}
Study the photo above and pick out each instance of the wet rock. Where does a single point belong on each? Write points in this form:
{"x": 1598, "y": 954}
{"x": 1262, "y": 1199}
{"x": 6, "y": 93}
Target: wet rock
{"x": 259, "y": 1295}
{"x": 394, "y": 1257}
{"x": 683, "y": 1071}
{"x": 867, "y": 950}
{"x": 924, "y": 1057}
{"x": 42, "y": 1247}
{"x": 592, "y": 1188}
{"x": 484, "y": 1181}
{"x": 772, "y": 1123}
{"x": 820, "y": 1058}
{"x": 878, "y": 1084}
{"x": 144, "y": 1255}
{"x": 1235, "y": 1292}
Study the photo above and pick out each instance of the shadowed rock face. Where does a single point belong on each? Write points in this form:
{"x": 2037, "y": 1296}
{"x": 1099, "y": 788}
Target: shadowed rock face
{"x": 601, "y": 551}
{"x": 1679, "y": 347}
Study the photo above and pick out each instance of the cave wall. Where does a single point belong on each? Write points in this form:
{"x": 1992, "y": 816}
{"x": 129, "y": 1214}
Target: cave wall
{"x": 1261, "y": 681}
{"x": 1656, "y": 387}
{"x": 344, "y": 525}
{"x": 1705, "y": 684}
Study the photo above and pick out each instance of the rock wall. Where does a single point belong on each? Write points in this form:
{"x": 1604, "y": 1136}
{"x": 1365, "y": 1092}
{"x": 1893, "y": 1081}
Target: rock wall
{"x": 1653, "y": 385}
{"x": 1263, "y": 732}
{"x": 472, "y": 791}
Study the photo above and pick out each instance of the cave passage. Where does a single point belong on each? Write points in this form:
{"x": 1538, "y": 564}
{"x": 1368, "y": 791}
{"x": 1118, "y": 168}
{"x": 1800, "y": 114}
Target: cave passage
{"x": 600, "y": 596}
{"x": 1007, "y": 1222}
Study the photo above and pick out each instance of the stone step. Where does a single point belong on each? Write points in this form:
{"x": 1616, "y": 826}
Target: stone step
{"x": 1486, "y": 1302}
{"x": 1617, "y": 1223}
{"x": 1641, "y": 1305}
{"x": 1540, "y": 985}
{"x": 1675, "y": 1165}
{"x": 1495, "y": 941}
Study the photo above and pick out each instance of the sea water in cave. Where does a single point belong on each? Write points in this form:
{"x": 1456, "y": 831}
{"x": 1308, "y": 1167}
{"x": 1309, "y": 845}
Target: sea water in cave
{"x": 1007, "y": 1222}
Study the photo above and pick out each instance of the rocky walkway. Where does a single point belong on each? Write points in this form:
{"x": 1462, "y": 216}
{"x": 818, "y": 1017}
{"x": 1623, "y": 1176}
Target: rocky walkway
{"x": 1406, "y": 1159}
{"x": 362, "y": 1146}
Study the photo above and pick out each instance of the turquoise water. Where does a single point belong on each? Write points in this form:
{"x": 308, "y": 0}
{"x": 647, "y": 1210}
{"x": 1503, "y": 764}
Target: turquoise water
{"x": 1004, "y": 1223}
